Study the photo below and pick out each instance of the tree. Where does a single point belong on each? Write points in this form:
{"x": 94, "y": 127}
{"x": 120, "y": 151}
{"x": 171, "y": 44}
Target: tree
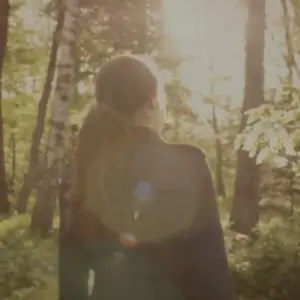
{"x": 4, "y": 12}
{"x": 272, "y": 131}
{"x": 106, "y": 28}
{"x": 219, "y": 156}
{"x": 290, "y": 64}
{"x": 213, "y": 99}
{"x": 35, "y": 170}
{"x": 43, "y": 212}
{"x": 245, "y": 209}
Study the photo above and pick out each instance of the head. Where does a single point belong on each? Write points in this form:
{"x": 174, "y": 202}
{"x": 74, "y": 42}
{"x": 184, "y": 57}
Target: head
{"x": 132, "y": 87}
{"x": 129, "y": 94}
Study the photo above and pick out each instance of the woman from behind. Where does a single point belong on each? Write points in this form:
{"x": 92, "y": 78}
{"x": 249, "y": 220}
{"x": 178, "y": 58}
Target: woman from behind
{"x": 139, "y": 202}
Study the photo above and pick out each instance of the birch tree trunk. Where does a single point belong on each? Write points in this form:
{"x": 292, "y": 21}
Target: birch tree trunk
{"x": 43, "y": 212}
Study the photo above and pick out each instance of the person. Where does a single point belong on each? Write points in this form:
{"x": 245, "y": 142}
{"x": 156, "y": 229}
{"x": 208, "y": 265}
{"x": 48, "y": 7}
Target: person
{"x": 144, "y": 215}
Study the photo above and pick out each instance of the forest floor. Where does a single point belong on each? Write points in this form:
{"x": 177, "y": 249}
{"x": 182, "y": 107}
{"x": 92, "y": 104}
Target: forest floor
{"x": 28, "y": 265}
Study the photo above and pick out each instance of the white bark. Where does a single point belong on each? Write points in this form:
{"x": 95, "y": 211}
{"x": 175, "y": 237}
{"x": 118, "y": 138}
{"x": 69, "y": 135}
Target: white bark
{"x": 63, "y": 87}
{"x": 43, "y": 212}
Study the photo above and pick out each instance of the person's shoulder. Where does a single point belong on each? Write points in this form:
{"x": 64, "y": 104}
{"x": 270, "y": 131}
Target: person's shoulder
{"x": 191, "y": 152}
{"x": 188, "y": 149}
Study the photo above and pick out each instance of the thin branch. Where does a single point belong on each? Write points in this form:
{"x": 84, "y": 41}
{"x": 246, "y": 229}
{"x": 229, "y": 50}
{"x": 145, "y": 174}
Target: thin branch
{"x": 295, "y": 66}
{"x": 290, "y": 60}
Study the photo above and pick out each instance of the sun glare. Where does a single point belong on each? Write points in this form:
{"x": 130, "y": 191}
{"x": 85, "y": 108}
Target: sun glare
{"x": 212, "y": 34}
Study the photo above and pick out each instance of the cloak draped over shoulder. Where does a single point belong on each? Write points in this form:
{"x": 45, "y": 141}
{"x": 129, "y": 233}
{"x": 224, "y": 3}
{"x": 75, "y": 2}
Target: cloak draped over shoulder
{"x": 167, "y": 202}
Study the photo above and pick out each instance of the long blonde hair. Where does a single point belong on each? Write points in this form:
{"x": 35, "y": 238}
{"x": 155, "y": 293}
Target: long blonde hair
{"x": 123, "y": 86}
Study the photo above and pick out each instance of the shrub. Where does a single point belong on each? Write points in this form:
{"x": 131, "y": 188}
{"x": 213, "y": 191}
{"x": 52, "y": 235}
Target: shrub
{"x": 26, "y": 263}
{"x": 267, "y": 267}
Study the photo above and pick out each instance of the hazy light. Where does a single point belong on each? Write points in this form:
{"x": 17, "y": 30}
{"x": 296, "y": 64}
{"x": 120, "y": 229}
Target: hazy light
{"x": 213, "y": 34}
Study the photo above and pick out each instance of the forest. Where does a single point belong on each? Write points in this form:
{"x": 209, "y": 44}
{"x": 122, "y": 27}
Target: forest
{"x": 232, "y": 73}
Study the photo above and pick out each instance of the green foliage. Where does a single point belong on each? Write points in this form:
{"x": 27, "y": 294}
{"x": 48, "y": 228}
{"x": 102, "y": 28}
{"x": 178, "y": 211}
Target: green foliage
{"x": 272, "y": 135}
{"x": 26, "y": 263}
{"x": 23, "y": 74}
{"x": 269, "y": 266}
{"x": 272, "y": 131}
{"x": 266, "y": 267}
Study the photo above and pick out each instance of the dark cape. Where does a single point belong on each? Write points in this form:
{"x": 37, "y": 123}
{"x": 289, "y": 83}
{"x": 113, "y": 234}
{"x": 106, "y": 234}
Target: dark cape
{"x": 193, "y": 258}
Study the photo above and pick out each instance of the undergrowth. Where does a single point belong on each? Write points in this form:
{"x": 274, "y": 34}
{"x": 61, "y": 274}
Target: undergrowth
{"x": 268, "y": 266}
{"x": 26, "y": 263}
{"x": 265, "y": 267}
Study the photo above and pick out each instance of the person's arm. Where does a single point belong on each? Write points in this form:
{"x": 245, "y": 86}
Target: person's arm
{"x": 73, "y": 266}
{"x": 73, "y": 272}
{"x": 204, "y": 273}
{"x": 207, "y": 276}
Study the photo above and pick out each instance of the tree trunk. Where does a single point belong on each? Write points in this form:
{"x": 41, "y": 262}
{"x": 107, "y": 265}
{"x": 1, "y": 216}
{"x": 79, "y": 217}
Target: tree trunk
{"x": 42, "y": 217}
{"x": 12, "y": 149}
{"x": 65, "y": 186}
{"x": 4, "y": 12}
{"x": 291, "y": 64}
{"x": 245, "y": 209}
{"x": 289, "y": 57}
{"x": 219, "y": 156}
{"x": 142, "y": 24}
{"x": 35, "y": 168}
{"x": 142, "y": 29}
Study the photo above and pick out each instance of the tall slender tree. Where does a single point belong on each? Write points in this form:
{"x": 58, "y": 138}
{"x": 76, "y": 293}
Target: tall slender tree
{"x": 245, "y": 209}
{"x": 42, "y": 216}
{"x": 35, "y": 168}
{"x": 219, "y": 155}
{"x": 292, "y": 68}
{"x": 4, "y": 13}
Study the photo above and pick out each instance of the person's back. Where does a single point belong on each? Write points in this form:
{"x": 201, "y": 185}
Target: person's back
{"x": 158, "y": 197}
